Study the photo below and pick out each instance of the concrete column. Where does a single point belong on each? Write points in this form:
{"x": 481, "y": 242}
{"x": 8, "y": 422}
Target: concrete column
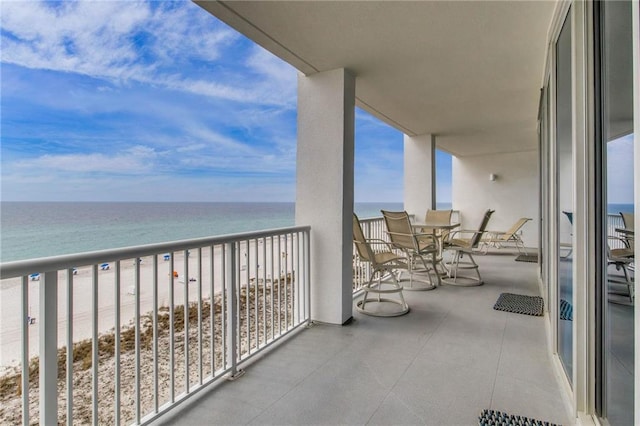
{"x": 419, "y": 174}
{"x": 324, "y": 188}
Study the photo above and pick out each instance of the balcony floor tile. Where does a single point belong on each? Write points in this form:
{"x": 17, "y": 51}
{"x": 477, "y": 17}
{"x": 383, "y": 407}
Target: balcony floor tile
{"x": 443, "y": 363}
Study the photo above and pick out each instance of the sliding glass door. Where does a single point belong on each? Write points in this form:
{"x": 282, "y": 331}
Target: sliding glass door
{"x": 564, "y": 194}
{"x": 614, "y": 102}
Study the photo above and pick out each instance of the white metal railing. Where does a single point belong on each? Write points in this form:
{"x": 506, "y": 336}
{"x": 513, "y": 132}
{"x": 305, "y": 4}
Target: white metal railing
{"x": 141, "y": 329}
{"x": 615, "y": 221}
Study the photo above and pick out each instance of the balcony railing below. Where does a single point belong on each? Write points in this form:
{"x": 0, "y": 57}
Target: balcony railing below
{"x": 122, "y": 336}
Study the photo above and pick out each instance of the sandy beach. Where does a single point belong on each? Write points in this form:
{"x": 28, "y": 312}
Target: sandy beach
{"x": 255, "y": 264}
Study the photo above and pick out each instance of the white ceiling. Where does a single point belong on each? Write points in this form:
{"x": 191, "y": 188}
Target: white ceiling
{"x": 468, "y": 71}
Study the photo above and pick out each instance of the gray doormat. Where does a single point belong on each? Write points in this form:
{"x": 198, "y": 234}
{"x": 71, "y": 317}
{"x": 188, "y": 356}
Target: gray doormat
{"x": 493, "y": 417}
{"x": 520, "y": 304}
{"x": 531, "y": 258}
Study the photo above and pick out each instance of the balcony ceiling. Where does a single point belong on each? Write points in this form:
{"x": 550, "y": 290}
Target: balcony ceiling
{"x": 468, "y": 72}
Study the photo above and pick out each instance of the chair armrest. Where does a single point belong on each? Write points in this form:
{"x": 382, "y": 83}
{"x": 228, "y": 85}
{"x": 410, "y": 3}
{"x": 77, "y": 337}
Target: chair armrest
{"x": 402, "y": 234}
{"x": 453, "y": 234}
{"x": 377, "y": 241}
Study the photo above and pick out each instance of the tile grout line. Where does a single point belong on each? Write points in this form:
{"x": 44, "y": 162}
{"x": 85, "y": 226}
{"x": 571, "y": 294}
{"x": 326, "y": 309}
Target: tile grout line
{"x": 495, "y": 379}
{"x": 298, "y": 383}
{"x": 404, "y": 372}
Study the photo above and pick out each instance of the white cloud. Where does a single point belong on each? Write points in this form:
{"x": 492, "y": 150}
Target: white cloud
{"x": 134, "y": 161}
{"x": 280, "y": 78}
{"x": 81, "y": 37}
{"x": 151, "y": 43}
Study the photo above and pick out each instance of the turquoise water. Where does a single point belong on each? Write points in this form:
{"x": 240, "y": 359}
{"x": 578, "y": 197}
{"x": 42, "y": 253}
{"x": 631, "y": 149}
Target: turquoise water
{"x": 33, "y": 230}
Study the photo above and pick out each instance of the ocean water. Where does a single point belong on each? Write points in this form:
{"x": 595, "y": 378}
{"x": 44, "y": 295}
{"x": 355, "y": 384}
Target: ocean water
{"x": 31, "y": 230}
{"x": 618, "y": 208}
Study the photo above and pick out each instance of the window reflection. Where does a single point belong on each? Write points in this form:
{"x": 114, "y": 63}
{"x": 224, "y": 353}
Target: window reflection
{"x": 564, "y": 189}
{"x": 617, "y": 127}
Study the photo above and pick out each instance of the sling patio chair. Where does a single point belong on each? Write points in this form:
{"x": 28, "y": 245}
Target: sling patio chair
{"x": 384, "y": 264}
{"x": 499, "y": 240}
{"x": 463, "y": 246}
{"x": 623, "y": 260}
{"x": 436, "y": 216}
{"x": 415, "y": 246}
{"x": 628, "y": 222}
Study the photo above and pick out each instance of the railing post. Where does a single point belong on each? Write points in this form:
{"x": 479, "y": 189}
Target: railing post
{"x": 25, "y": 350}
{"x": 307, "y": 262}
{"x": 49, "y": 349}
{"x": 232, "y": 309}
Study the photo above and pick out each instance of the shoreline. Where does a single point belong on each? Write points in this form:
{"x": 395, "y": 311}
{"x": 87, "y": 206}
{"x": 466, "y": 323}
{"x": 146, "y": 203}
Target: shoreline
{"x": 211, "y": 347}
{"x": 10, "y": 293}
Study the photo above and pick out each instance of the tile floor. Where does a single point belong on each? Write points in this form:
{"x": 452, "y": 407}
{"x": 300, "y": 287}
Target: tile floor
{"x": 450, "y": 357}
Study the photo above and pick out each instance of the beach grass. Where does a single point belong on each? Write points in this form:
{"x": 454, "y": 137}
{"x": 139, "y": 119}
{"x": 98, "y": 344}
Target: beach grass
{"x": 254, "y": 301}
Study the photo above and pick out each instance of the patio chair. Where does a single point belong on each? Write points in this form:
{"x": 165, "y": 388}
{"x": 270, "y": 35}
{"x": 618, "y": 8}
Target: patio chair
{"x": 498, "y": 240}
{"x": 628, "y": 221}
{"x": 460, "y": 247}
{"x": 436, "y": 216}
{"x": 623, "y": 260}
{"x": 414, "y": 245}
{"x": 440, "y": 217}
{"x": 383, "y": 262}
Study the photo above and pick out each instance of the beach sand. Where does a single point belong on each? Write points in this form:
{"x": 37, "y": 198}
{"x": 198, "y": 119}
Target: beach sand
{"x": 256, "y": 263}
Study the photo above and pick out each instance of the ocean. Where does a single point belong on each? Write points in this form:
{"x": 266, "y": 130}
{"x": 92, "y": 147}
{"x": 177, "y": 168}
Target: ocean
{"x": 31, "y": 230}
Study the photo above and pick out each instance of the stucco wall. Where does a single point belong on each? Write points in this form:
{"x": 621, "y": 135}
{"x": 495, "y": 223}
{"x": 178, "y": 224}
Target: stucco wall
{"x": 514, "y": 193}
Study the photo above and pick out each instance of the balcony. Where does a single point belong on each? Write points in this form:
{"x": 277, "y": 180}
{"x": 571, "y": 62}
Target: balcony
{"x": 442, "y": 363}
{"x": 451, "y": 357}
{"x": 150, "y": 326}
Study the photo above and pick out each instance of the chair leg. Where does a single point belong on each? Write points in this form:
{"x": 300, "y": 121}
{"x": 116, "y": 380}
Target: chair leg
{"x": 455, "y": 277}
{"x": 476, "y": 268}
{"x": 400, "y": 303}
{"x": 434, "y": 262}
{"x": 411, "y": 263}
{"x": 520, "y": 246}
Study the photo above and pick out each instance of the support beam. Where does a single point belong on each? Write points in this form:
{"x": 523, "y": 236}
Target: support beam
{"x": 419, "y": 174}
{"x": 324, "y": 191}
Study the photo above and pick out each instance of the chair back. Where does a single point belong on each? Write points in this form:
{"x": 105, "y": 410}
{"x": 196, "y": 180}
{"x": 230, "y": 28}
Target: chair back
{"x": 399, "y": 229}
{"x": 439, "y": 217}
{"x": 515, "y": 228}
{"x": 475, "y": 240}
{"x": 627, "y": 220}
{"x": 362, "y": 247}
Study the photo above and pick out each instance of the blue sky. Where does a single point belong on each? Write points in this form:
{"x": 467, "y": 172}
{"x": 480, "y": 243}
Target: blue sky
{"x": 157, "y": 101}
{"x": 620, "y": 170}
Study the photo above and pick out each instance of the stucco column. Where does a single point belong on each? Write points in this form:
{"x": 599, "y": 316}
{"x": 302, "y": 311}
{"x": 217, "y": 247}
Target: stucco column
{"x": 419, "y": 174}
{"x": 324, "y": 188}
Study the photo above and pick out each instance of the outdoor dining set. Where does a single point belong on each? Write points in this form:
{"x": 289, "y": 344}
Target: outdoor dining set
{"x": 416, "y": 248}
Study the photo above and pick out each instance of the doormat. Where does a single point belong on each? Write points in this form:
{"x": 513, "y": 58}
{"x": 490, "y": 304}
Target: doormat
{"x": 520, "y": 304}
{"x": 531, "y": 258}
{"x": 493, "y": 417}
{"x": 566, "y": 310}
